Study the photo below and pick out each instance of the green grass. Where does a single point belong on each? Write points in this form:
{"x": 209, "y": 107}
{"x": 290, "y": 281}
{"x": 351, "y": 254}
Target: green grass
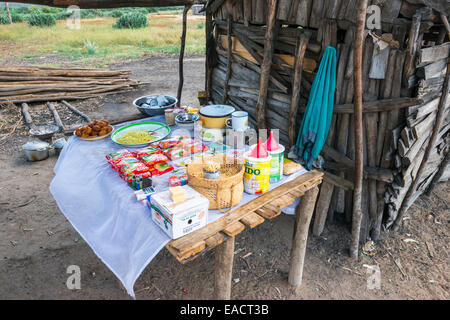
{"x": 98, "y": 42}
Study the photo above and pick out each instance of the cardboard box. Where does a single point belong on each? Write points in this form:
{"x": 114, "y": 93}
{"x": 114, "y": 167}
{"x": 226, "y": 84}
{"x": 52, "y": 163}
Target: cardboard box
{"x": 179, "y": 219}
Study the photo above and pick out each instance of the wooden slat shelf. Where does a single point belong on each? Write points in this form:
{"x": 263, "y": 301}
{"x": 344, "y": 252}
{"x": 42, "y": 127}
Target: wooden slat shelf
{"x": 250, "y": 215}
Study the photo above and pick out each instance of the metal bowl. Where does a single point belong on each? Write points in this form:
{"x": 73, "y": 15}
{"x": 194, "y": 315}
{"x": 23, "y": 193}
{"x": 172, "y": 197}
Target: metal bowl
{"x": 58, "y": 145}
{"x": 44, "y": 132}
{"x": 157, "y": 110}
{"x": 186, "y": 120}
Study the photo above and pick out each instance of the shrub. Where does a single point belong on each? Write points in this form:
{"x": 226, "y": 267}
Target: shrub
{"x": 116, "y": 13}
{"x": 131, "y": 20}
{"x": 88, "y": 13}
{"x": 62, "y": 15}
{"x": 91, "y": 47}
{"x": 21, "y": 10}
{"x": 200, "y": 25}
{"x": 144, "y": 11}
{"x": 17, "y": 17}
{"x": 41, "y": 20}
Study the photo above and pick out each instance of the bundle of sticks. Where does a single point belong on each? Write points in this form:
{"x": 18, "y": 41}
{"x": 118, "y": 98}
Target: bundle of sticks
{"x": 412, "y": 139}
{"x": 37, "y": 84}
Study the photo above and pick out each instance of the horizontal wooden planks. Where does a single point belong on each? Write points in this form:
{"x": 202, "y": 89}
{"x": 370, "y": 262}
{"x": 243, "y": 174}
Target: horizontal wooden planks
{"x": 250, "y": 215}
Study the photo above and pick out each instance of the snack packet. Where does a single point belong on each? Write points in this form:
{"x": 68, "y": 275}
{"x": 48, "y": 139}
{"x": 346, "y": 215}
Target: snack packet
{"x": 125, "y": 162}
{"x": 171, "y": 142}
{"x": 134, "y": 168}
{"x": 176, "y": 153}
{"x": 179, "y": 178}
{"x": 290, "y": 167}
{"x": 147, "y": 151}
{"x": 161, "y": 168}
{"x": 153, "y": 159}
{"x": 117, "y": 156}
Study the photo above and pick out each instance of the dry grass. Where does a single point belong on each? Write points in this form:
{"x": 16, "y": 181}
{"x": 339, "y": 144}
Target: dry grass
{"x": 97, "y": 41}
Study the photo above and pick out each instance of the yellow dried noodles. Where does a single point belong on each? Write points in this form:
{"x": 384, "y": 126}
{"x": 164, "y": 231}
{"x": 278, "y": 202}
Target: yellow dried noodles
{"x": 136, "y": 137}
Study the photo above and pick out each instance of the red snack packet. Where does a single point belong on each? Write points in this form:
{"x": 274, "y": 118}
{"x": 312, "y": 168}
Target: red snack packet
{"x": 134, "y": 168}
{"x": 117, "y": 156}
{"x": 153, "y": 159}
{"x": 125, "y": 162}
{"x": 178, "y": 180}
{"x": 146, "y": 152}
{"x": 176, "y": 153}
{"x": 171, "y": 142}
{"x": 161, "y": 168}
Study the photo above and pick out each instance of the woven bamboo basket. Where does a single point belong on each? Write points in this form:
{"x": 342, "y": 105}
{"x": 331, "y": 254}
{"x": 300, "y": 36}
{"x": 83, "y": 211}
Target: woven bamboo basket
{"x": 224, "y": 192}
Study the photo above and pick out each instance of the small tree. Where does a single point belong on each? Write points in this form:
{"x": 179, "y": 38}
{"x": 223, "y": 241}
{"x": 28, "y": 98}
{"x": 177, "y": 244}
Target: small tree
{"x": 9, "y": 13}
{"x": 41, "y": 20}
{"x": 132, "y": 20}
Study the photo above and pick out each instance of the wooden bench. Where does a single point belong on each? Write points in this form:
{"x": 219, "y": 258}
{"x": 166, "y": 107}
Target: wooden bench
{"x": 220, "y": 233}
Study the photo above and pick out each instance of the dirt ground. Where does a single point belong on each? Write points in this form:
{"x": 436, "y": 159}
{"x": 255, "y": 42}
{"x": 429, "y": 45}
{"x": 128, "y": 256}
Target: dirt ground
{"x": 37, "y": 243}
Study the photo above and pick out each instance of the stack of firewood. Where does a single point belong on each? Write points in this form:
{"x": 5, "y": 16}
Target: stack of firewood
{"x": 38, "y": 84}
{"x": 413, "y": 138}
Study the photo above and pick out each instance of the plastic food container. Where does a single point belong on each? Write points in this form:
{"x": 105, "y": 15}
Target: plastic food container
{"x": 170, "y": 117}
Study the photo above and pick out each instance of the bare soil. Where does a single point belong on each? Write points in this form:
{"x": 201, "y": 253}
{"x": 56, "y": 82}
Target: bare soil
{"x": 37, "y": 243}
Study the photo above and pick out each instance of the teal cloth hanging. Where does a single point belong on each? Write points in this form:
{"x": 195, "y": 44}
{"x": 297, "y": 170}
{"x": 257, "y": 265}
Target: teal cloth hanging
{"x": 319, "y": 110}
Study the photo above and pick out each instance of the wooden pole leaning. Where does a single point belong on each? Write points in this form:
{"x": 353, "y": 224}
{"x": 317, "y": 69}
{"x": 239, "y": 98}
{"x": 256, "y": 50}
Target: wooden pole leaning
{"x": 303, "y": 215}
{"x": 180, "y": 60}
{"x": 359, "y": 139}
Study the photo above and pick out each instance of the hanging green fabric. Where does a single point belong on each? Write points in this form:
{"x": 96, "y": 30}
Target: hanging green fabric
{"x": 319, "y": 110}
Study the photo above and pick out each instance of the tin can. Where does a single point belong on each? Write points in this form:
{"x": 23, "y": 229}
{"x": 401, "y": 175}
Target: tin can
{"x": 276, "y": 166}
{"x": 257, "y": 174}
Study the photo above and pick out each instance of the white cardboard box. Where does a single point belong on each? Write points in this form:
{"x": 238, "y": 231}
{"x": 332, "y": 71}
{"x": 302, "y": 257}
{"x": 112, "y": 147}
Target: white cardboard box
{"x": 180, "y": 219}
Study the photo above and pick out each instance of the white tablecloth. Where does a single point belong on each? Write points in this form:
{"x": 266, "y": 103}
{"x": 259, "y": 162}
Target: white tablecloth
{"x": 104, "y": 211}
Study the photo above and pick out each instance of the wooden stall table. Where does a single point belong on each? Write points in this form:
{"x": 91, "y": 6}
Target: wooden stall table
{"x": 220, "y": 233}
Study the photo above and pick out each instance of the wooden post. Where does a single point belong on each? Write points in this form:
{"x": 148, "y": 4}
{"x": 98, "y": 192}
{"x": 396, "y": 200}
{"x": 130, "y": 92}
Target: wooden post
{"x": 359, "y": 148}
{"x": 302, "y": 43}
{"x": 267, "y": 63}
{"x": 323, "y": 203}
{"x": 223, "y": 269}
{"x": 446, "y": 24}
{"x": 439, "y": 174}
{"x": 412, "y": 48}
{"x": 303, "y": 214}
{"x": 208, "y": 67}
{"x": 9, "y": 13}
{"x": 429, "y": 148}
{"x": 229, "y": 57}
{"x": 180, "y": 61}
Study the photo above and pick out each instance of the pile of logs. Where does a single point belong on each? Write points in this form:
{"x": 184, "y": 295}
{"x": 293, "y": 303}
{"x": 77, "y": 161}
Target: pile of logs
{"x": 413, "y": 138}
{"x": 40, "y": 84}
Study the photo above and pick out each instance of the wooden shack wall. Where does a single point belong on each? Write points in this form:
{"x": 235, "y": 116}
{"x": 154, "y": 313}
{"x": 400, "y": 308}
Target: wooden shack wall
{"x": 396, "y": 134}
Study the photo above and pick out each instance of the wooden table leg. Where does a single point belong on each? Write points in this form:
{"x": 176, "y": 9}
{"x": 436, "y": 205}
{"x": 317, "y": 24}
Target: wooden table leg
{"x": 223, "y": 269}
{"x": 303, "y": 214}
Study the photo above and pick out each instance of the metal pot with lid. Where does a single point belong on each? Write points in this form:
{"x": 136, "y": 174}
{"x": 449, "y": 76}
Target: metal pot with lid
{"x": 36, "y": 150}
{"x": 213, "y": 116}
